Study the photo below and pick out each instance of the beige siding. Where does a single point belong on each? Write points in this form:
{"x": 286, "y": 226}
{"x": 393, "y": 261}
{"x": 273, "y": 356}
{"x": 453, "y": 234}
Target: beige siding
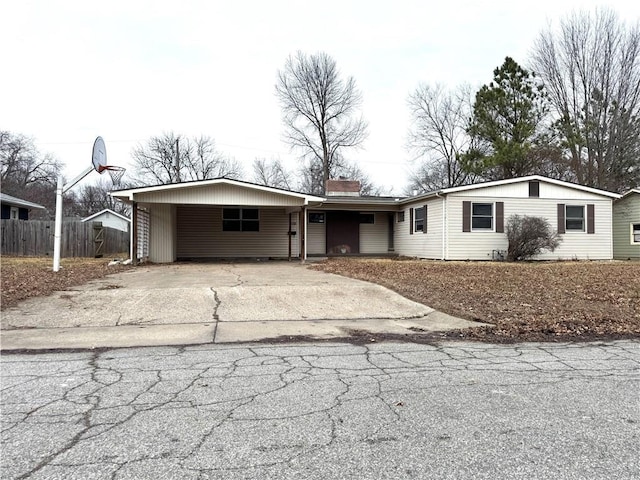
{"x": 625, "y": 213}
{"x": 316, "y": 237}
{"x": 480, "y": 245}
{"x": 218, "y": 195}
{"x": 374, "y": 237}
{"x": 162, "y": 240}
{"x": 521, "y": 190}
{"x": 200, "y": 234}
{"x": 421, "y": 245}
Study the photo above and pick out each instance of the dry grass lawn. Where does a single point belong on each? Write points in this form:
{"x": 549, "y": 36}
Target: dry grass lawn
{"x": 26, "y": 277}
{"x": 539, "y": 301}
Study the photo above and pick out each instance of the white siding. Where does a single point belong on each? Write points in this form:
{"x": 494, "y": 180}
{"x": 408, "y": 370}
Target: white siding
{"x": 200, "y": 234}
{"x": 317, "y": 237}
{"x": 625, "y": 212}
{"x": 480, "y": 245}
{"x": 112, "y": 221}
{"x": 219, "y": 195}
{"x": 162, "y": 240}
{"x": 521, "y": 190}
{"x": 374, "y": 237}
{"x": 421, "y": 245}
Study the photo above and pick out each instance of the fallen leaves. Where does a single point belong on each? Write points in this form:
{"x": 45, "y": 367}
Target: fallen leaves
{"x": 26, "y": 277}
{"x": 537, "y": 301}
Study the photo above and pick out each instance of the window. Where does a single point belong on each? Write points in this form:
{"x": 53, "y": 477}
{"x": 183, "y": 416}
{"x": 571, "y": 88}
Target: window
{"x": 400, "y": 217}
{"x": 482, "y": 216}
{"x": 635, "y": 233}
{"x": 574, "y": 218}
{"x": 240, "y": 220}
{"x": 316, "y": 217}
{"x": 418, "y": 219}
{"x": 367, "y": 218}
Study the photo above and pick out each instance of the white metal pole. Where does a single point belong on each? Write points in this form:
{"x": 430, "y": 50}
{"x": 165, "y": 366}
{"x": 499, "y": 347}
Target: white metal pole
{"x": 58, "y": 226}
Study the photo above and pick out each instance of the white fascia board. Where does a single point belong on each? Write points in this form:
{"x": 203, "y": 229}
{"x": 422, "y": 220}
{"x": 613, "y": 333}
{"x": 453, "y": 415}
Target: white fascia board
{"x": 528, "y": 178}
{"x": 129, "y": 194}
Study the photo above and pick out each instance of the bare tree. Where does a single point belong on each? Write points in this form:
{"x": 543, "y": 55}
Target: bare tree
{"x": 93, "y": 198}
{"x": 272, "y": 173}
{"x": 172, "y": 158}
{"x": 27, "y": 173}
{"x": 320, "y": 112}
{"x": 201, "y": 160}
{"x": 23, "y": 165}
{"x": 438, "y": 136}
{"x": 591, "y": 69}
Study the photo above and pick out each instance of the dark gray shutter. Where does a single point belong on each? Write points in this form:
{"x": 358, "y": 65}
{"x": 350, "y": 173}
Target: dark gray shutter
{"x": 411, "y": 221}
{"x": 534, "y": 189}
{"x": 424, "y": 220}
{"x": 499, "y": 217}
{"x": 466, "y": 216}
{"x": 591, "y": 227}
{"x": 561, "y": 223}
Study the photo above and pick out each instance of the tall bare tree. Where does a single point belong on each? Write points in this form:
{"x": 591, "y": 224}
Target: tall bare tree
{"x": 174, "y": 158}
{"x": 438, "y": 136}
{"x": 590, "y": 66}
{"x": 320, "y": 113}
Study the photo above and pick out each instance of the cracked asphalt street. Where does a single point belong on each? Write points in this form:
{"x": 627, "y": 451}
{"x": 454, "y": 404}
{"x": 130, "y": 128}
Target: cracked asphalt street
{"x": 324, "y": 411}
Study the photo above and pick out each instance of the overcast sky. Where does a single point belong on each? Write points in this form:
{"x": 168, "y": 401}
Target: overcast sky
{"x": 127, "y": 70}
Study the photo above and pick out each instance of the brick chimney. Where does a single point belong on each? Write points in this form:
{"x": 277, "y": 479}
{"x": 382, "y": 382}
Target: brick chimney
{"x": 342, "y": 188}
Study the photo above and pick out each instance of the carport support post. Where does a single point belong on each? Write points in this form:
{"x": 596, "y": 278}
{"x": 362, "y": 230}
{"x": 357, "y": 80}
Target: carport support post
{"x": 303, "y": 233}
{"x": 134, "y": 233}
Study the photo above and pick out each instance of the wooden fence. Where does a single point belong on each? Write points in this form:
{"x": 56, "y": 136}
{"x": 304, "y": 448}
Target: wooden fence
{"x": 79, "y": 239}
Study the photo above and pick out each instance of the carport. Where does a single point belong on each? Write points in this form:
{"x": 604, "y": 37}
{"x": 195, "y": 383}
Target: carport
{"x": 219, "y": 218}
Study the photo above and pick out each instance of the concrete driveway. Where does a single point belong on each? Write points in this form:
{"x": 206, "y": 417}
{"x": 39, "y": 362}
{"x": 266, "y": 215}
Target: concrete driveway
{"x": 213, "y": 302}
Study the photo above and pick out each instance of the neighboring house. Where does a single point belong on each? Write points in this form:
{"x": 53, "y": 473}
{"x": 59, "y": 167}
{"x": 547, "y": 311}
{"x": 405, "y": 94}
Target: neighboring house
{"x": 227, "y": 218}
{"x": 626, "y": 226}
{"x": 110, "y": 219}
{"x": 14, "y": 208}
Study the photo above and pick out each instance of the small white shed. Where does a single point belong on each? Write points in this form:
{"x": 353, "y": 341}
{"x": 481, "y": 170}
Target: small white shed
{"x": 110, "y": 219}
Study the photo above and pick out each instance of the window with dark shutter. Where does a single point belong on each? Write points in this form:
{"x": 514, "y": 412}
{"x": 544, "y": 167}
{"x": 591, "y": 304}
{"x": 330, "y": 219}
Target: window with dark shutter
{"x": 482, "y": 216}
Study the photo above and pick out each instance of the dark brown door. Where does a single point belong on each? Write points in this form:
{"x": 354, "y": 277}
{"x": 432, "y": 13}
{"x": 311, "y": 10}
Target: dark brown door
{"x": 343, "y": 232}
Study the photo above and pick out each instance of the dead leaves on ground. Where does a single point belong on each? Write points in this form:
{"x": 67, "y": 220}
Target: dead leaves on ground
{"x": 26, "y": 277}
{"x": 524, "y": 301}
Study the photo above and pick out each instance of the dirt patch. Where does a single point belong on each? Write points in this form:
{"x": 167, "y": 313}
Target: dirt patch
{"x": 538, "y": 301}
{"x": 26, "y": 277}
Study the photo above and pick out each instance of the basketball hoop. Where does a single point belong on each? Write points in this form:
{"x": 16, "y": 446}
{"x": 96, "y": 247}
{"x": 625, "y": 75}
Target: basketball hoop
{"x": 115, "y": 173}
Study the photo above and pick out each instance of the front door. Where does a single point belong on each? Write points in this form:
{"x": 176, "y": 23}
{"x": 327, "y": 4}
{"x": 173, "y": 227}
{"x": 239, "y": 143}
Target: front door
{"x": 343, "y": 232}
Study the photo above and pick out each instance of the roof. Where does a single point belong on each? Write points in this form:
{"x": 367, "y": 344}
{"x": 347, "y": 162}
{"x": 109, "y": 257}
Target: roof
{"x": 18, "y": 202}
{"x": 128, "y": 194}
{"x": 494, "y": 183}
{"x": 106, "y": 210}
{"x": 630, "y": 192}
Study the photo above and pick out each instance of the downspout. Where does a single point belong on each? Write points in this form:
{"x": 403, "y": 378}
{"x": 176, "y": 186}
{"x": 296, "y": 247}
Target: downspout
{"x": 444, "y": 224}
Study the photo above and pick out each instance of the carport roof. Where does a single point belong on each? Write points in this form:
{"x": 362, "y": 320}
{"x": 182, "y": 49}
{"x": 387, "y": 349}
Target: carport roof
{"x": 127, "y": 195}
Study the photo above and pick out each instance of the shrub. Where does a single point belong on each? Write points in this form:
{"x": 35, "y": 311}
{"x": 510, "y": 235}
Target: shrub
{"x": 529, "y": 236}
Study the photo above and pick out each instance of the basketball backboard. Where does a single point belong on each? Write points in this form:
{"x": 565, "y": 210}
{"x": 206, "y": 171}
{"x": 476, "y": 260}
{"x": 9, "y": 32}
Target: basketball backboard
{"x": 99, "y": 156}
